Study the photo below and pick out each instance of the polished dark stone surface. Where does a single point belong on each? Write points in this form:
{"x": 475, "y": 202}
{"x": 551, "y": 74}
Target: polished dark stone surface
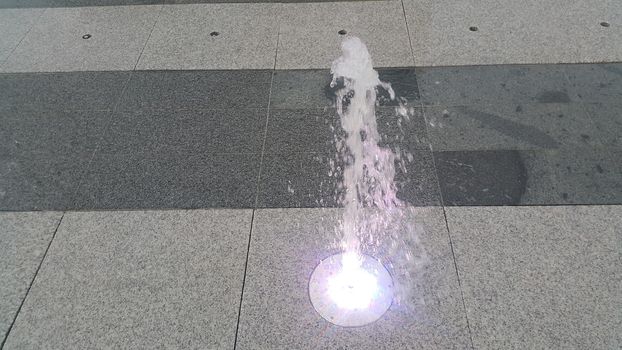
{"x": 315, "y": 130}
{"x": 487, "y": 177}
{"x": 489, "y": 135}
{"x": 505, "y": 84}
{"x": 191, "y": 90}
{"x": 169, "y": 180}
{"x": 62, "y": 91}
{"x": 520, "y": 127}
{"x": 313, "y": 180}
{"x": 193, "y": 131}
{"x": 565, "y": 176}
{"x": 298, "y": 89}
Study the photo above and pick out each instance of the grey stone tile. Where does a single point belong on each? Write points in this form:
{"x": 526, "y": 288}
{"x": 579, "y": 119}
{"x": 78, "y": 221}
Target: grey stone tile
{"x": 494, "y": 177}
{"x": 195, "y": 131}
{"x": 40, "y": 181}
{"x": 564, "y": 176}
{"x": 56, "y": 43}
{"x": 540, "y": 278}
{"x": 303, "y": 130}
{"x": 314, "y": 180}
{"x": 404, "y": 84}
{"x": 14, "y": 24}
{"x": 44, "y": 155}
{"x": 74, "y": 3}
{"x": 62, "y": 91}
{"x": 294, "y": 180}
{"x": 301, "y": 89}
{"x": 286, "y": 246}
{"x": 174, "y": 90}
{"x": 183, "y": 39}
{"x": 585, "y": 176}
{"x": 416, "y": 180}
{"x": 174, "y": 179}
{"x": 24, "y": 237}
{"x": 52, "y": 132}
{"x": 309, "y": 38}
{"x": 319, "y": 130}
{"x": 608, "y": 118}
{"x": 596, "y": 82}
{"x": 512, "y": 32}
{"x": 138, "y": 280}
{"x": 506, "y": 84}
{"x": 517, "y": 127}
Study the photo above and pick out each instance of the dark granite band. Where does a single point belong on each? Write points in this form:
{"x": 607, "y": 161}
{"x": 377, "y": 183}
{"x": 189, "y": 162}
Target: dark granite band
{"x": 490, "y": 135}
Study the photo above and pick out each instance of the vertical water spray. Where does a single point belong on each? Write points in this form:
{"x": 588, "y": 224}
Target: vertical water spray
{"x": 370, "y": 169}
{"x": 354, "y": 288}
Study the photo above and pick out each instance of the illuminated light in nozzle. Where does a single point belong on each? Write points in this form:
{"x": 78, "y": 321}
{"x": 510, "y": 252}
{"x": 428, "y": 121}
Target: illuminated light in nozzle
{"x": 352, "y": 287}
{"x": 351, "y": 290}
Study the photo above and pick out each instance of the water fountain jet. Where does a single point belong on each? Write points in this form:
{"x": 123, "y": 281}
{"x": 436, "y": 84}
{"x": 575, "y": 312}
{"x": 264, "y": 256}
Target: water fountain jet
{"x": 352, "y": 288}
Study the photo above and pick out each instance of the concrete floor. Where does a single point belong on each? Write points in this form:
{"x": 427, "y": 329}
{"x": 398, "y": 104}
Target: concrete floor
{"x": 165, "y": 187}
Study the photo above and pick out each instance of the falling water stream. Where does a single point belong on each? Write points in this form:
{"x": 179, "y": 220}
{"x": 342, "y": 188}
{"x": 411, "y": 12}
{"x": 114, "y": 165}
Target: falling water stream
{"x": 368, "y": 177}
{"x": 378, "y": 237}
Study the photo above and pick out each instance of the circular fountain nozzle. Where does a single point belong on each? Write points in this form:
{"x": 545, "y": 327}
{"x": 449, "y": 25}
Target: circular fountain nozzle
{"x": 351, "y": 290}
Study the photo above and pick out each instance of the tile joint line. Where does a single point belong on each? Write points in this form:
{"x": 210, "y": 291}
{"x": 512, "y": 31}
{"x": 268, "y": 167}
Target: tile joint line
{"x": 111, "y": 116}
{"x": 149, "y": 36}
{"x": 451, "y": 245}
{"x": 248, "y": 249}
{"x": 8, "y": 332}
{"x": 410, "y": 42}
{"x": 265, "y": 135}
{"x": 442, "y": 204}
{"x": 250, "y": 232}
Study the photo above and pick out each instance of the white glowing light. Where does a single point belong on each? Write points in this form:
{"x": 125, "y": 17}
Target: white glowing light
{"x": 352, "y": 287}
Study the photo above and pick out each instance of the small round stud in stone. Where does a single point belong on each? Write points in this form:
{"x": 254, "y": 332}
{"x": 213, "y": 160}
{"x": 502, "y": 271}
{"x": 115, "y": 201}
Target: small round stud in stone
{"x": 473, "y": 29}
{"x": 86, "y": 36}
{"x": 214, "y": 34}
{"x": 604, "y": 24}
{"x": 342, "y": 32}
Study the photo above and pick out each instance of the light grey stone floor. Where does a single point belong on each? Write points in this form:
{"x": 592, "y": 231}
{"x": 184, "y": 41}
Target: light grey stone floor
{"x": 24, "y": 238}
{"x": 215, "y": 36}
{"x": 531, "y": 31}
{"x": 14, "y": 24}
{"x": 306, "y": 35}
{"x": 134, "y": 279}
{"x": 526, "y": 278}
{"x": 55, "y": 42}
{"x": 286, "y": 246}
{"x": 540, "y": 277}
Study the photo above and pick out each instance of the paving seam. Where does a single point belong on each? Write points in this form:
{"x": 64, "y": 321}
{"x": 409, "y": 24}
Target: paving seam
{"x": 8, "y": 332}
{"x": 410, "y": 42}
{"x": 265, "y": 135}
{"x": 248, "y": 249}
{"x": 250, "y": 232}
{"x": 451, "y": 244}
{"x": 113, "y": 112}
{"x": 149, "y": 36}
